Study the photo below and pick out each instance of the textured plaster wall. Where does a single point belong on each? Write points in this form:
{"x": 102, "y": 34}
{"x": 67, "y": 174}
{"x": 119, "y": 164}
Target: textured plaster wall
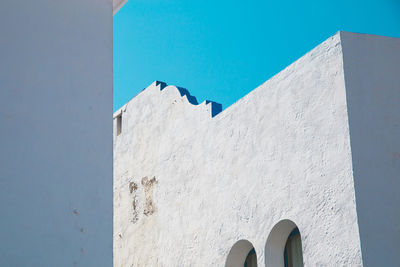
{"x": 188, "y": 186}
{"x": 372, "y": 75}
{"x": 56, "y": 133}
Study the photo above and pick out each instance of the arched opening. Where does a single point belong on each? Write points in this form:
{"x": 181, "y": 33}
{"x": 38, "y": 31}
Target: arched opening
{"x": 242, "y": 254}
{"x": 283, "y": 247}
{"x": 293, "y": 254}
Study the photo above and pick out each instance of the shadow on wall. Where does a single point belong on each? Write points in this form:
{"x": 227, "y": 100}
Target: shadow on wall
{"x": 283, "y": 247}
{"x": 372, "y": 68}
{"x": 216, "y": 108}
{"x": 242, "y": 254}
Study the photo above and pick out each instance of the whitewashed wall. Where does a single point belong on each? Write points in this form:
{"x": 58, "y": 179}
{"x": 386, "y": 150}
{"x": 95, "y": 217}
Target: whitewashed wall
{"x": 188, "y": 186}
{"x": 56, "y": 133}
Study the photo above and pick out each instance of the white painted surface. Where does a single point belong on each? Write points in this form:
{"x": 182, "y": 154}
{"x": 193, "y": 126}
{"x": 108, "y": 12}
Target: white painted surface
{"x": 281, "y": 152}
{"x": 372, "y": 74}
{"x": 56, "y": 132}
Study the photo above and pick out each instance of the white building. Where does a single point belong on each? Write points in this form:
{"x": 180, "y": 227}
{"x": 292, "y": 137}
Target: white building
{"x": 312, "y": 154}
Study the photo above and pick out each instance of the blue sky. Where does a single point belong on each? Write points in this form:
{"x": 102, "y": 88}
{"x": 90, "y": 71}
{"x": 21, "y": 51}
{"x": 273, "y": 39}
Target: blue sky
{"x": 221, "y": 50}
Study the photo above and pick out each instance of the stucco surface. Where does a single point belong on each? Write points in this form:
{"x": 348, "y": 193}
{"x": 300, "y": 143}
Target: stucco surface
{"x": 281, "y": 152}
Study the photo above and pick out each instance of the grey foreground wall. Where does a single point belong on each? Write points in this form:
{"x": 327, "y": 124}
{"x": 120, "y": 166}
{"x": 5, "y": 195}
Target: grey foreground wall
{"x": 372, "y": 76}
{"x": 56, "y": 133}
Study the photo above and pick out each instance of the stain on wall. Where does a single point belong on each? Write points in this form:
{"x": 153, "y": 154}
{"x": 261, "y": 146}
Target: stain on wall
{"x": 132, "y": 190}
{"x": 148, "y": 185}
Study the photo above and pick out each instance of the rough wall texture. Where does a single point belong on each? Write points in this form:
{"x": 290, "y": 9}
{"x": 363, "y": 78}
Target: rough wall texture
{"x": 188, "y": 186}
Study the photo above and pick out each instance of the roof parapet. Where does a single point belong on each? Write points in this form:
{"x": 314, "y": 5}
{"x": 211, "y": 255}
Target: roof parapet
{"x": 214, "y": 107}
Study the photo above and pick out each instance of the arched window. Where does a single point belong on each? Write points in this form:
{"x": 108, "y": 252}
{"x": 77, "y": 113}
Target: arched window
{"x": 251, "y": 259}
{"x": 283, "y": 247}
{"x": 293, "y": 255}
{"x": 242, "y": 254}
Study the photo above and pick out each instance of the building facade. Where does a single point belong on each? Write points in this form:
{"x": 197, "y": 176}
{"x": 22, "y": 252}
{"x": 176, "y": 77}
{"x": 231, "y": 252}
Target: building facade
{"x": 304, "y": 170}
